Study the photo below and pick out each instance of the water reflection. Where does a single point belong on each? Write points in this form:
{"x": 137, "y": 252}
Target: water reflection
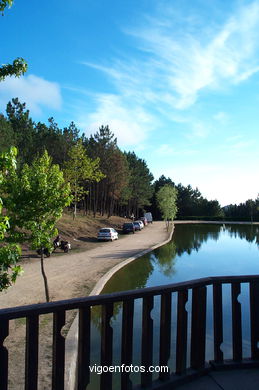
{"x": 197, "y": 250}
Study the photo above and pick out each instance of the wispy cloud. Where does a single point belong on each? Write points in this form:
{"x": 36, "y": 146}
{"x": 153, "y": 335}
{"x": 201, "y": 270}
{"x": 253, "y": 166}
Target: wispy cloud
{"x": 35, "y": 91}
{"x": 173, "y": 66}
{"x": 221, "y": 117}
{"x": 166, "y": 150}
{"x": 129, "y": 124}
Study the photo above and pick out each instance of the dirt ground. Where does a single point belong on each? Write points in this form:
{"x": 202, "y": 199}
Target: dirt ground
{"x": 75, "y": 274}
{"x": 69, "y": 275}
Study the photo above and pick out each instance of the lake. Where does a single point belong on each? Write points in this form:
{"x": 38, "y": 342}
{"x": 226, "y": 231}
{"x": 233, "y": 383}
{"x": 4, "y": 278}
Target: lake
{"x": 196, "y": 251}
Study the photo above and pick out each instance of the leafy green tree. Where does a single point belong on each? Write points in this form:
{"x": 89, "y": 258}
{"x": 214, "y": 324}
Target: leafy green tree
{"x": 80, "y": 168}
{"x": 19, "y": 66}
{"x": 9, "y": 253}
{"x": 35, "y": 198}
{"x": 157, "y": 185}
{"x": 166, "y": 199}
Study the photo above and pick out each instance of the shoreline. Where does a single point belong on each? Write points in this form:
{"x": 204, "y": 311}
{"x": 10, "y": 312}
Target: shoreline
{"x": 72, "y": 335}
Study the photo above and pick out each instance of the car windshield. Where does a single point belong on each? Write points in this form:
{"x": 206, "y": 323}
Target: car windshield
{"x": 127, "y": 225}
{"x": 105, "y": 231}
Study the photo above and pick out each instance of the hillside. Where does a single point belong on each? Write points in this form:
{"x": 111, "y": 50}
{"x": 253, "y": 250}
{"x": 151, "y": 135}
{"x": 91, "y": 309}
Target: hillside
{"x": 81, "y": 232}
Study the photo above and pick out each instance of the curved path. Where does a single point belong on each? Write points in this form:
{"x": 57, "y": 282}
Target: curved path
{"x": 76, "y": 274}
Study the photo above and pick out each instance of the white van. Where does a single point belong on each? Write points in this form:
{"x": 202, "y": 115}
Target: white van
{"x": 149, "y": 217}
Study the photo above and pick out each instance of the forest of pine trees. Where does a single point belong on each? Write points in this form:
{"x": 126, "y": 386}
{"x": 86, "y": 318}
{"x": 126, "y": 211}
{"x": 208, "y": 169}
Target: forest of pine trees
{"x": 115, "y": 182}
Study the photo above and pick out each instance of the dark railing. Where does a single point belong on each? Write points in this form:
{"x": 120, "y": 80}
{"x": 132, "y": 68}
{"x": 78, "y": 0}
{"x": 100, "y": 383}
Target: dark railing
{"x": 190, "y": 343}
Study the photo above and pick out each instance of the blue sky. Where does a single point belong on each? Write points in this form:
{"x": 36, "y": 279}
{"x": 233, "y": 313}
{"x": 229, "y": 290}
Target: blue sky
{"x": 176, "y": 81}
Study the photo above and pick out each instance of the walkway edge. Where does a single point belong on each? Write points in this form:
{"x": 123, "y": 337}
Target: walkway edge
{"x": 104, "y": 279}
{"x": 72, "y": 336}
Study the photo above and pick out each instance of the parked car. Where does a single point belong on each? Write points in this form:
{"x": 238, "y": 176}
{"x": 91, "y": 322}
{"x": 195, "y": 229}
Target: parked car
{"x": 144, "y": 220}
{"x": 108, "y": 234}
{"x": 137, "y": 225}
{"x": 128, "y": 227}
{"x": 141, "y": 224}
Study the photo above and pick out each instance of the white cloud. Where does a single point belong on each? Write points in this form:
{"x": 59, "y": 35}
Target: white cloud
{"x": 199, "y": 130}
{"x": 129, "y": 124}
{"x": 186, "y": 63}
{"x": 179, "y": 59}
{"x": 221, "y": 117}
{"x": 35, "y": 91}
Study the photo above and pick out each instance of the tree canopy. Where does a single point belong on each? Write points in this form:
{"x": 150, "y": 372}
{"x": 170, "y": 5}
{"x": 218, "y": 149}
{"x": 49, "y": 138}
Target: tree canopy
{"x": 19, "y": 65}
{"x": 166, "y": 198}
{"x": 35, "y": 198}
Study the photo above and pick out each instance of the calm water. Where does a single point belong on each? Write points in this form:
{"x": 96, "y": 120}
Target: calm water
{"x": 197, "y": 250}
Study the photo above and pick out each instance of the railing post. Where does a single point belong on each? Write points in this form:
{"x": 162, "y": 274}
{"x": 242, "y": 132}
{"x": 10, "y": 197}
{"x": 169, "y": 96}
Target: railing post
{"x": 106, "y": 346}
{"x": 147, "y": 340}
{"x": 217, "y": 322}
{"x": 4, "y": 332}
{"x": 254, "y": 315}
{"x": 58, "y": 367}
{"x": 31, "y": 352}
{"x": 198, "y": 332}
{"x": 181, "y": 338}
{"x": 236, "y": 322}
{"x": 127, "y": 341}
{"x": 83, "y": 359}
{"x": 165, "y": 333}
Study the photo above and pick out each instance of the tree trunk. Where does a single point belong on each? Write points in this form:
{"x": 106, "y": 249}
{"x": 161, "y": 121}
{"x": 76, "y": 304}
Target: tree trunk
{"x": 74, "y": 213}
{"x": 44, "y": 276}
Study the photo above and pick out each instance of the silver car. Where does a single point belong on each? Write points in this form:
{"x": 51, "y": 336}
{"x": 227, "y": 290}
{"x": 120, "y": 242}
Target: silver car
{"x": 108, "y": 234}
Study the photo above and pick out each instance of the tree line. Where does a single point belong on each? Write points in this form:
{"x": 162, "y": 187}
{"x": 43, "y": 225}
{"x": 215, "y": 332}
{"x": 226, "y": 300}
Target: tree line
{"x": 103, "y": 178}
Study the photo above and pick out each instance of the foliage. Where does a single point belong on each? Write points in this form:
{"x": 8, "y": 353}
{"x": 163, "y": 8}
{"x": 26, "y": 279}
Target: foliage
{"x": 127, "y": 185}
{"x": 247, "y": 211}
{"x": 19, "y": 65}
{"x": 4, "y": 4}
{"x": 80, "y": 168}
{"x": 23, "y": 130}
{"x": 17, "y": 68}
{"x": 140, "y": 183}
{"x": 166, "y": 198}
{"x": 35, "y": 198}
{"x": 9, "y": 253}
{"x": 109, "y": 192}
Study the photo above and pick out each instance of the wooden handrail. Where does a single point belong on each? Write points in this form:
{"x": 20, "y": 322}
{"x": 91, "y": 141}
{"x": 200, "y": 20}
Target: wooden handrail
{"x": 186, "y": 357}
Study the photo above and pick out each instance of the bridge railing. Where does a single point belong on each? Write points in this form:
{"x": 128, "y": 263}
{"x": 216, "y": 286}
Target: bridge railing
{"x": 190, "y": 344}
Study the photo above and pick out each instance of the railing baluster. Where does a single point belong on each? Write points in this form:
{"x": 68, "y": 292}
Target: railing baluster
{"x": 106, "y": 345}
{"x": 127, "y": 341}
{"x": 165, "y": 333}
{"x": 4, "y": 332}
{"x": 217, "y": 322}
{"x": 181, "y": 338}
{"x": 83, "y": 359}
{"x": 198, "y": 334}
{"x": 58, "y": 367}
{"x": 147, "y": 340}
{"x": 254, "y": 318}
{"x": 236, "y": 322}
{"x": 31, "y": 352}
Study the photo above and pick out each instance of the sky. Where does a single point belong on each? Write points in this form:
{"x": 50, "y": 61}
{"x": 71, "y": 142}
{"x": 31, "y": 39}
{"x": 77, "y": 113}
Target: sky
{"x": 177, "y": 81}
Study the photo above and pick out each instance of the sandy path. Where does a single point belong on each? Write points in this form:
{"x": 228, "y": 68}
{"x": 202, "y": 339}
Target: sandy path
{"x": 74, "y": 275}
